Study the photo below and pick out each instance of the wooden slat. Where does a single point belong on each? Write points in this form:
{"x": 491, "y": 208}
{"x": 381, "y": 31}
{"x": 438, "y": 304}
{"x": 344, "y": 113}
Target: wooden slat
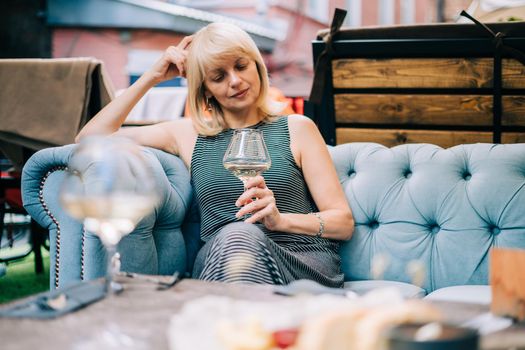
{"x": 513, "y": 74}
{"x": 513, "y": 137}
{"x": 414, "y": 109}
{"x": 413, "y": 73}
{"x": 393, "y": 137}
{"x": 513, "y": 110}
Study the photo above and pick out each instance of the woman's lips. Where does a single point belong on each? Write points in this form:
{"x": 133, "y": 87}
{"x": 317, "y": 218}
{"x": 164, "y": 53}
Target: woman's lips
{"x": 241, "y": 93}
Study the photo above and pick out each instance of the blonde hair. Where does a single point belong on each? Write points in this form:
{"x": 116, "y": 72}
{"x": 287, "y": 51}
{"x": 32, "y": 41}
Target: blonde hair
{"x": 210, "y": 46}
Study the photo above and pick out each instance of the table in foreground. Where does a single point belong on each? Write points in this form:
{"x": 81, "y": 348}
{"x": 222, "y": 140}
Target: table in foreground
{"x": 144, "y": 313}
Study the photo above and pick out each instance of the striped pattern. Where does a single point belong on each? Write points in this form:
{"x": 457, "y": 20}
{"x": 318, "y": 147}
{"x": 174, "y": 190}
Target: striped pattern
{"x": 274, "y": 257}
{"x": 239, "y": 253}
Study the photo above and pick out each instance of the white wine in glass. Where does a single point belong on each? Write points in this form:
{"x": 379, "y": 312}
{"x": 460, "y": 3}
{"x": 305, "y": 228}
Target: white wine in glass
{"x": 109, "y": 186}
{"x": 247, "y": 155}
{"x": 122, "y": 212}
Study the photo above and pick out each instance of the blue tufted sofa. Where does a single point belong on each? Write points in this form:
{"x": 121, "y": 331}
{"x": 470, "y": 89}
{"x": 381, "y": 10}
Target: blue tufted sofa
{"x": 445, "y": 208}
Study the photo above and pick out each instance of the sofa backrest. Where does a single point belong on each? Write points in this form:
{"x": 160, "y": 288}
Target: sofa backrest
{"x": 444, "y": 208}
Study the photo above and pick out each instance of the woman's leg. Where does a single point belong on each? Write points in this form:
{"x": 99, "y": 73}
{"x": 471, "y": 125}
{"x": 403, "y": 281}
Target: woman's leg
{"x": 239, "y": 254}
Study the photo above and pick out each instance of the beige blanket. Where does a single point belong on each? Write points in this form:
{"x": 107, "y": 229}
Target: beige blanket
{"x": 45, "y": 102}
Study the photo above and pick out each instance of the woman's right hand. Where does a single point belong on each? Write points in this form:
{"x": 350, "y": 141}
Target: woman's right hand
{"x": 172, "y": 63}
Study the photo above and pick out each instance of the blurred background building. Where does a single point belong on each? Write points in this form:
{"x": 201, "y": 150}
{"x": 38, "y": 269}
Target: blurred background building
{"x": 128, "y": 35}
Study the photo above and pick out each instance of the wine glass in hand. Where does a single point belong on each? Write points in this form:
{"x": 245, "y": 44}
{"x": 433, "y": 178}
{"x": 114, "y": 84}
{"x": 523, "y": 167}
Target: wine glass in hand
{"x": 109, "y": 186}
{"x": 247, "y": 155}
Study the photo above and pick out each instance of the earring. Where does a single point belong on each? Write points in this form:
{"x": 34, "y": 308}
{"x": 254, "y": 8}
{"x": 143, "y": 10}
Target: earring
{"x": 208, "y": 104}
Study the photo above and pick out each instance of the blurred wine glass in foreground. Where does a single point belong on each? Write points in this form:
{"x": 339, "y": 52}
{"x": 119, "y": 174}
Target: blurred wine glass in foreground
{"x": 109, "y": 186}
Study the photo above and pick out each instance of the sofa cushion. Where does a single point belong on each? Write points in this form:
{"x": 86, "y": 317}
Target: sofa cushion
{"x": 443, "y": 209}
{"x": 475, "y": 294}
{"x": 408, "y": 291}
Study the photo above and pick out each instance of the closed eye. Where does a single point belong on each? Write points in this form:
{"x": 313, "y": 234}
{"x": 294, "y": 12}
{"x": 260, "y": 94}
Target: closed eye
{"x": 217, "y": 77}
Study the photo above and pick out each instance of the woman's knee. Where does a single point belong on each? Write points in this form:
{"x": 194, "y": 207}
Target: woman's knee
{"x": 240, "y": 232}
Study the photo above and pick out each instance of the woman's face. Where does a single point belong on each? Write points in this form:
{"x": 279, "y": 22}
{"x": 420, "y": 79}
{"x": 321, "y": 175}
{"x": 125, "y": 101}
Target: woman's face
{"x": 235, "y": 84}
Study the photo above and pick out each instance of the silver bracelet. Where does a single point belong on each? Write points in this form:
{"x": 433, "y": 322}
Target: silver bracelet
{"x": 321, "y": 225}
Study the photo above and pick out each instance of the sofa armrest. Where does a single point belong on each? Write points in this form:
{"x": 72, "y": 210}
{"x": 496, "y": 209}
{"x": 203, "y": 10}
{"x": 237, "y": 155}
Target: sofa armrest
{"x": 156, "y": 246}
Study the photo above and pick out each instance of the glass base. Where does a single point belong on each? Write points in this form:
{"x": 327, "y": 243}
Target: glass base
{"x": 115, "y": 287}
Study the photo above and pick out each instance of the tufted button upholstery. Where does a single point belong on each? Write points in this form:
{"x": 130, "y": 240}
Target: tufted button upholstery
{"x": 466, "y": 175}
{"x": 373, "y": 224}
{"x": 444, "y": 207}
{"x": 434, "y": 229}
{"x": 494, "y": 230}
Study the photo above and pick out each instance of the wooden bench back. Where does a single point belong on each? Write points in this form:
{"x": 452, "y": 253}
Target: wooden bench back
{"x": 422, "y": 84}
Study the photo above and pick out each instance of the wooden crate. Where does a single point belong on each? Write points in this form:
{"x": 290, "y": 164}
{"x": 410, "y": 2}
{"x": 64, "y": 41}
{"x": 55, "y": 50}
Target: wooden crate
{"x": 432, "y": 83}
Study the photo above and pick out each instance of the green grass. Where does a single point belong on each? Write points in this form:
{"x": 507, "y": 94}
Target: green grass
{"x": 21, "y": 280}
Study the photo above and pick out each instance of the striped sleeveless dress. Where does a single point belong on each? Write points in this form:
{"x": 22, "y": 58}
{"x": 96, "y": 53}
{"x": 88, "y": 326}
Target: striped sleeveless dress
{"x": 249, "y": 253}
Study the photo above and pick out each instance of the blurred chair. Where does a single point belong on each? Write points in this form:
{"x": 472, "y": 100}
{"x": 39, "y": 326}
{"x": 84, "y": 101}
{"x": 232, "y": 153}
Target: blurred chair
{"x": 11, "y": 203}
{"x": 43, "y": 103}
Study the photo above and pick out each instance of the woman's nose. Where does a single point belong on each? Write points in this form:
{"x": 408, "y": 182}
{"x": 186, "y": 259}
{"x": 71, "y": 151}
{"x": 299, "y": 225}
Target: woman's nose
{"x": 234, "y": 79}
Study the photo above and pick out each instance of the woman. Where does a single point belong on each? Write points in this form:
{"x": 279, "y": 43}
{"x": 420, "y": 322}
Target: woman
{"x": 300, "y": 212}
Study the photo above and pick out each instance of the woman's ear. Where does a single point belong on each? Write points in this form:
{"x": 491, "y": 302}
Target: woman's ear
{"x": 206, "y": 92}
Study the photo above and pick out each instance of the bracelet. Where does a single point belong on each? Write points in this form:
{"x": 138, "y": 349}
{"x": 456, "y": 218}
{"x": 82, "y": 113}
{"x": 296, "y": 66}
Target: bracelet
{"x": 321, "y": 225}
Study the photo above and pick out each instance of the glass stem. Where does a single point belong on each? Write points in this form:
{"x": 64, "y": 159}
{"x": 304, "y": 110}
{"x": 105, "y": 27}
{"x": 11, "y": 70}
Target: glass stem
{"x": 111, "y": 251}
{"x": 245, "y": 216}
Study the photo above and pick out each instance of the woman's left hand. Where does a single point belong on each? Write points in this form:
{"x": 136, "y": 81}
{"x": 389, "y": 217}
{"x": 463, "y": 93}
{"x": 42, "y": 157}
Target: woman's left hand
{"x": 263, "y": 209}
